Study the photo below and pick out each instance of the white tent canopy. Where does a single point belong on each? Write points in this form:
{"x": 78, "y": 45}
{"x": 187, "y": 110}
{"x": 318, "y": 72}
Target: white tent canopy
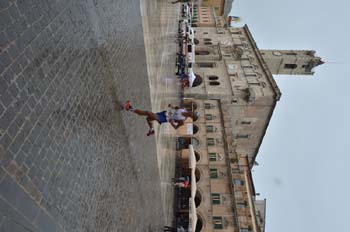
{"x": 192, "y": 215}
{"x": 191, "y": 77}
{"x": 192, "y": 205}
{"x": 192, "y": 158}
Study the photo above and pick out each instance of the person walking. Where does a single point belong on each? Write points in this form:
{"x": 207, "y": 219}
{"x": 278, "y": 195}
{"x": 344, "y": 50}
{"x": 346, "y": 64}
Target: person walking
{"x": 184, "y": 182}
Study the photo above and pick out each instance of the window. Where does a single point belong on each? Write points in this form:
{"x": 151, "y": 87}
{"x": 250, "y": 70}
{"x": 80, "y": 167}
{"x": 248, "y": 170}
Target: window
{"x": 238, "y": 182}
{"x": 189, "y": 48}
{"x": 210, "y": 128}
{"x": 231, "y": 66}
{"x": 209, "y": 117}
{"x": 213, "y": 78}
{"x": 247, "y": 66}
{"x": 210, "y": 142}
{"x": 238, "y": 194}
{"x": 207, "y": 39}
{"x": 205, "y": 33}
{"x": 208, "y": 43}
{"x": 236, "y": 32}
{"x": 206, "y": 65}
{"x": 241, "y": 205}
{"x": 213, "y": 173}
{"x": 290, "y": 66}
{"x": 216, "y": 198}
{"x": 244, "y": 230}
{"x": 242, "y": 219}
{"x": 307, "y": 66}
{"x": 217, "y": 221}
{"x": 207, "y": 105}
{"x": 214, "y": 83}
{"x": 202, "y": 53}
{"x": 291, "y": 54}
{"x": 212, "y": 156}
{"x": 242, "y": 136}
{"x": 236, "y": 171}
{"x": 245, "y": 122}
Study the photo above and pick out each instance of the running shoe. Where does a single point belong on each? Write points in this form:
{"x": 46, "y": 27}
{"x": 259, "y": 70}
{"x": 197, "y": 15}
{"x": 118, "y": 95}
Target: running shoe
{"x": 128, "y": 106}
{"x": 150, "y": 132}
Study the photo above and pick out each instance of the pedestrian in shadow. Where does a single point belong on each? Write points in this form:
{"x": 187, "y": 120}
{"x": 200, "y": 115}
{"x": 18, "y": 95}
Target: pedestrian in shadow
{"x": 184, "y": 182}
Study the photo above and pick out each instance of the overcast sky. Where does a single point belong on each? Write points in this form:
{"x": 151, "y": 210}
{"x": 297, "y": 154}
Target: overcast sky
{"x": 304, "y": 158}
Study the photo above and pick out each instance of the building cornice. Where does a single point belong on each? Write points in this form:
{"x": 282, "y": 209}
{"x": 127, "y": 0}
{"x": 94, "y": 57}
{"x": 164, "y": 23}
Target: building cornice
{"x": 276, "y": 90}
{"x": 262, "y": 62}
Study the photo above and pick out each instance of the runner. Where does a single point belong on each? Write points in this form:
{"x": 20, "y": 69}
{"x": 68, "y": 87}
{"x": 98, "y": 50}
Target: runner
{"x": 175, "y": 118}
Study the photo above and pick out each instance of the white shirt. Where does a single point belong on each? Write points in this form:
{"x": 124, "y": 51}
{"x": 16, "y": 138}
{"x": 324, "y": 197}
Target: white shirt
{"x": 177, "y": 115}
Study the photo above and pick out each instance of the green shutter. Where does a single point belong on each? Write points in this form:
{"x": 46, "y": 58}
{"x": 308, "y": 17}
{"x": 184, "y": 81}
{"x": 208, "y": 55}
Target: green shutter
{"x": 216, "y": 198}
{"x": 210, "y": 128}
{"x": 207, "y": 105}
{"x": 213, "y": 173}
{"x": 212, "y": 156}
{"x": 243, "y": 136}
{"x": 210, "y": 142}
{"x": 209, "y": 117}
{"x": 217, "y": 221}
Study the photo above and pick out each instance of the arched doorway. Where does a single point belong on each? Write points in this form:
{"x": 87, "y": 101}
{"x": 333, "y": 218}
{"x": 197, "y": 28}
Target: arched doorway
{"x": 197, "y": 173}
{"x": 199, "y": 225}
{"x": 198, "y": 157}
{"x": 197, "y": 81}
{"x": 198, "y": 199}
{"x": 195, "y": 129}
{"x": 195, "y": 142}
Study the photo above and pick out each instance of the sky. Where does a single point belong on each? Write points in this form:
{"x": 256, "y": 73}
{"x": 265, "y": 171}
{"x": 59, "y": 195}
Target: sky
{"x": 303, "y": 161}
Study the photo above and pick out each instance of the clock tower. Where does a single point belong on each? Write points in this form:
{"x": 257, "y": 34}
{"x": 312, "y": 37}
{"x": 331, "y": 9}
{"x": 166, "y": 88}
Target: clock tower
{"x": 291, "y": 62}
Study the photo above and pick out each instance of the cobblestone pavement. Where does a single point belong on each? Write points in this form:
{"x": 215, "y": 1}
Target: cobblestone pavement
{"x": 70, "y": 159}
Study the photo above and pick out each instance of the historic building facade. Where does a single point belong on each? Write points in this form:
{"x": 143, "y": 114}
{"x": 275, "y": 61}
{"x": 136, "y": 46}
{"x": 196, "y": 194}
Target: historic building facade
{"x": 236, "y": 99}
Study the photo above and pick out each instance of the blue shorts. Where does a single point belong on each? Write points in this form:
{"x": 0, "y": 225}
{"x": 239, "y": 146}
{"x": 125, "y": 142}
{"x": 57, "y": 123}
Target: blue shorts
{"x": 162, "y": 117}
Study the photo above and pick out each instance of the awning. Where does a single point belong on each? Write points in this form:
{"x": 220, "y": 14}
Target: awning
{"x": 192, "y": 158}
{"x": 192, "y": 204}
{"x": 192, "y": 215}
{"x": 191, "y": 77}
{"x": 189, "y": 127}
{"x": 193, "y": 184}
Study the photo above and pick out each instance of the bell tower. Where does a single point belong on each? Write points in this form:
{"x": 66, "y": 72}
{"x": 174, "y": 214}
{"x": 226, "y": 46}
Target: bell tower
{"x": 291, "y": 62}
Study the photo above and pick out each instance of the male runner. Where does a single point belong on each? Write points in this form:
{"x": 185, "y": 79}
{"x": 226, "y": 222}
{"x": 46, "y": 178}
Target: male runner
{"x": 175, "y": 118}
